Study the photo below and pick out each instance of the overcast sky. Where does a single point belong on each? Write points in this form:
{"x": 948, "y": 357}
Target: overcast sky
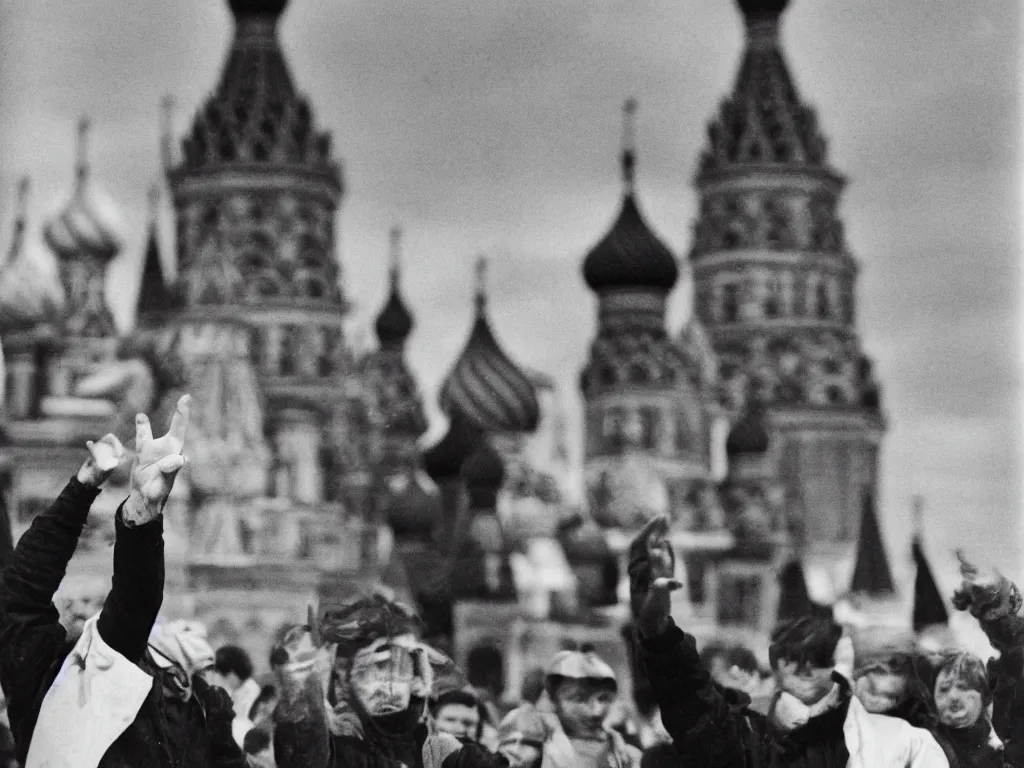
{"x": 489, "y": 126}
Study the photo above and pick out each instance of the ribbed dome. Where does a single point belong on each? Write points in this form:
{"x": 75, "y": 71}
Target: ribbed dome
{"x": 486, "y": 387}
{"x": 444, "y": 460}
{"x": 630, "y": 256}
{"x": 89, "y": 223}
{"x": 411, "y": 505}
{"x": 255, "y": 115}
{"x": 750, "y": 434}
{"x": 30, "y": 293}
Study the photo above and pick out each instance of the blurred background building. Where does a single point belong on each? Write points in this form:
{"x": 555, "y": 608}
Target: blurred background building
{"x": 756, "y": 427}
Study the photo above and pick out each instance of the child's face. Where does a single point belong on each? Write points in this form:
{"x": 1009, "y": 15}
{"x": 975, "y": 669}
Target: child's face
{"x": 808, "y": 684}
{"x": 583, "y": 706}
{"x": 958, "y": 704}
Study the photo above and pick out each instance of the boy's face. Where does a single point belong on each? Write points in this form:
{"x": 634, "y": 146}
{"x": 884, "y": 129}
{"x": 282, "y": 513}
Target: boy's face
{"x": 806, "y": 683}
{"x": 458, "y": 720}
{"x": 583, "y": 706}
{"x": 881, "y": 690}
{"x": 959, "y": 705}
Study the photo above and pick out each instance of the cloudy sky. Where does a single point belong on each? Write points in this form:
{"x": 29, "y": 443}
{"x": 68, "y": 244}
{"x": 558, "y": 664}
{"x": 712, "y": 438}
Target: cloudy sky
{"x": 488, "y": 126}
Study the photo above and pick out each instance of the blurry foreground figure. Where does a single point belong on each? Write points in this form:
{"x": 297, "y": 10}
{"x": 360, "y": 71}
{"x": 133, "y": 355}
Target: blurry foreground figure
{"x": 522, "y": 736}
{"x": 355, "y": 692}
{"x": 111, "y": 699}
{"x": 813, "y": 719}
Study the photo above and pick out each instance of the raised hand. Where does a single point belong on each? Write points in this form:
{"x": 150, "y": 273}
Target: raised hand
{"x": 983, "y": 593}
{"x": 157, "y": 462}
{"x": 652, "y": 577}
{"x": 105, "y": 455}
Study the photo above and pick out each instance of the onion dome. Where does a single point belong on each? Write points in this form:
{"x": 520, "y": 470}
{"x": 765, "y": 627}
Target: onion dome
{"x": 483, "y": 473}
{"x": 411, "y": 505}
{"x": 630, "y": 255}
{"x": 30, "y": 294}
{"x": 443, "y": 461}
{"x": 255, "y": 116}
{"x": 89, "y": 224}
{"x": 485, "y": 386}
{"x": 584, "y": 542}
{"x": 394, "y": 323}
{"x": 763, "y": 121}
{"x": 749, "y": 437}
{"x": 154, "y": 293}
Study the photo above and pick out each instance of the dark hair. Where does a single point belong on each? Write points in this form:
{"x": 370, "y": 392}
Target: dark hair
{"x": 968, "y": 668}
{"x": 463, "y": 698}
{"x": 232, "y": 659}
{"x": 256, "y": 740}
{"x": 712, "y": 651}
{"x": 742, "y": 657}
{"x": 807, "y": 641}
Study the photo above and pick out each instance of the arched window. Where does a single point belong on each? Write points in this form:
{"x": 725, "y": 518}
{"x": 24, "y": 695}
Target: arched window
{"x": 649, "y": 432}
{"x": 773, "y": 298}
{"x": 289, "y": 350}
{"x": 614, "y": 428}
{"x": 823, "y": 307}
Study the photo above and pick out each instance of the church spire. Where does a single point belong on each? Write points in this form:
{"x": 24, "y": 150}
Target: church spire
{"x": 154, "y": 293}
{"x": 629, "y": 144}
{"x": 394, "y": 323}
{"x": 929, "y": 604}
{"x": 82, "y": 151}
{"x": 481, "y": 285}
{"x": 871, "y": 575}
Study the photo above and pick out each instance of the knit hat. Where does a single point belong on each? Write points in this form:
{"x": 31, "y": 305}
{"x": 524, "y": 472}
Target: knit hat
{"x": 526, "y": 723}
{"x": 365, "y": 620}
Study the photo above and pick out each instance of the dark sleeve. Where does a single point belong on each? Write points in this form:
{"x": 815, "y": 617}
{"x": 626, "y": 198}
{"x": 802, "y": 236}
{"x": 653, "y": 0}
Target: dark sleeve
{"x": 137, "y": 587}
{"x": 302, "y": 738}
{"x": 704, "y": 729}
{"x": 220, "y": 715}
{"x": 474, "y": 756}
{"x": 32, "y": 639}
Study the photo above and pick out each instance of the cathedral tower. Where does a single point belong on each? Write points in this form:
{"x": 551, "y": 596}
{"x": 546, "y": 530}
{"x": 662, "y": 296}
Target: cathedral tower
{"x": 774, "y": 284}
{"x": 255, "y": 193}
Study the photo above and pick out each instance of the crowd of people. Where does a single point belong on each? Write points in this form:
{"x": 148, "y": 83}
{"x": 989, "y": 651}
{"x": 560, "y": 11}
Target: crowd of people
{"x": 116, "y": 687}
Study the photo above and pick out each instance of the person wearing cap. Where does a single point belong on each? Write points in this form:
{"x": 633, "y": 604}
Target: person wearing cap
{"x": 813, "y": 720}
{"x": 582, "y": 689}
{"x": 104, "y": 701}
{"x": 522, "y": 735}
{"x": 355, "y": 691}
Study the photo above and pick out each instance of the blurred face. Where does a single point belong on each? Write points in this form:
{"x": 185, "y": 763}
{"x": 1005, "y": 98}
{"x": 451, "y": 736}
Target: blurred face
{"x": 958, "y": 705}
{"x": 386, "y": 674}
{"x": 805, "y": 683}
{"x": 881, "y": 691}
{"x": 458, "y": 720}
{"x": 733, "y": 677}
{"x": 583, "y": 706}
{"x": 519, "y": 752}
{"x": 83, "y": 599}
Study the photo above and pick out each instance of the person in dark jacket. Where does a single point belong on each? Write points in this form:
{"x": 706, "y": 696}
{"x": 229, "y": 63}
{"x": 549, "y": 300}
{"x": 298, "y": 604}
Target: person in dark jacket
{"x": 104, "y": 702}
{"x": 814, "y": 719}
{"x": 358, "y": 699}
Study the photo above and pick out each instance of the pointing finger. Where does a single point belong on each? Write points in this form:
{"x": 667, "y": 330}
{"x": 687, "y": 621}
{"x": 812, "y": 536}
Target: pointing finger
{"x": 143, "y": 431}
{"x": 182, "y": 415}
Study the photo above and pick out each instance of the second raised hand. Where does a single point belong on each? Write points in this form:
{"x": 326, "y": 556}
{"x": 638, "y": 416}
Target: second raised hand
{"x": 157, "y": 461}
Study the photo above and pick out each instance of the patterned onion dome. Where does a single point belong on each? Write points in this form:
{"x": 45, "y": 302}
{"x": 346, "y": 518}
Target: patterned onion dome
{"x": 394, "y": 323}
{"x": 749, "y": 436}
{"x": 411, "y": 504}
{"x": 256, "y": 115}
{"x": 630, "y": 255}
{"x": 485, "y": 386}
{"x": 89, "y": 223}
{"x": 30, "y": 292}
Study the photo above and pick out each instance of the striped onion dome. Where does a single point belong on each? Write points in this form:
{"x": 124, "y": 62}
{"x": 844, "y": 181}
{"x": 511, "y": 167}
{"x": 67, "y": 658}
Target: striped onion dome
{"x": 30, "y": 293}
{"x": 89, "y": 223}
{"x": 485, "y": 386}
{"x": 630, "y": 255}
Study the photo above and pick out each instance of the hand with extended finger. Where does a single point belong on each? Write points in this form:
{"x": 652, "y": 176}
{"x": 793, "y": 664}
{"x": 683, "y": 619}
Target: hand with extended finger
{"x": 652, "y": 577}
{"x": 157, "y": 462}
{"x": 105, "y": 455}
{"x": 987, "y": 595}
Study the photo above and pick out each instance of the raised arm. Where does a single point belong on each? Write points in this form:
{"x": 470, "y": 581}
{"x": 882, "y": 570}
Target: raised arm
{"x": 137, "y": 587}
{"x": 996, "y": 603}
{"x": 703, "y": 728}
{"x": 302, "y": 734}
{"x": 32, "y": 640}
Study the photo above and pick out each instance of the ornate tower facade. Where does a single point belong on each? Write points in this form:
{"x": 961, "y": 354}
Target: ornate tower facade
{"x": 255, "y": 194}
{"x": 774, "y": 284}
{"x": 649, "y": 405}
